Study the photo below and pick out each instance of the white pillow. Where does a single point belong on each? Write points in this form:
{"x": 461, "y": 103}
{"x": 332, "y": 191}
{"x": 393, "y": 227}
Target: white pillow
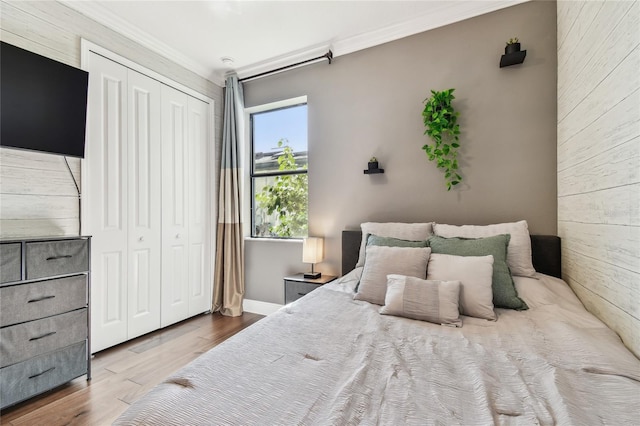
{"x": 402, "y": 231}
{"x": 475, "y": 274}
{"x": 433, "y": 301}
{"x": 383, "y": 261}
{"x": 518, "y": 251}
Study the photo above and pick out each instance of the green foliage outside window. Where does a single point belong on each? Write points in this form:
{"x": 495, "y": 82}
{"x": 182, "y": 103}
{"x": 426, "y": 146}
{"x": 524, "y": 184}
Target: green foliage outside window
{"x": 286, "y": 199}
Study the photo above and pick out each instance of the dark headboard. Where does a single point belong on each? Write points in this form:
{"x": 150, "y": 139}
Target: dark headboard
{"x": 545, "y": 252}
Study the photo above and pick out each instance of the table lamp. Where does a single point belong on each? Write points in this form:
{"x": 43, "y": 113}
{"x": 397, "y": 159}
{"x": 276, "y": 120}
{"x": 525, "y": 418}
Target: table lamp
{"x": 312, "y": 252}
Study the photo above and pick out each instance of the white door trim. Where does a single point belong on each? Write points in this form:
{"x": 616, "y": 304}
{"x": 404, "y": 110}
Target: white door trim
{"x": 86, "y": 46}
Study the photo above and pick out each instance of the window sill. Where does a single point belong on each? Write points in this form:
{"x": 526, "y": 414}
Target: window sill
{"x": 274, "y": 240}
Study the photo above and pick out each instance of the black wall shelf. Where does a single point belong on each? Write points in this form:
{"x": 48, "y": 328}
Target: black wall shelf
{"x": 512, "y": 58}
{"x": 373, "y": 171}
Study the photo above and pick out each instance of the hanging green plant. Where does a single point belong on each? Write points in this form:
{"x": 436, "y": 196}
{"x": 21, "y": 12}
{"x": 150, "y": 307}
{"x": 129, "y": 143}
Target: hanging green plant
{"x": 441, "y": 121}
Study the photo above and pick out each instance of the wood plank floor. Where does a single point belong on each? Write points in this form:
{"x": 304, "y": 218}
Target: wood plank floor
{"x": 122, "y": 374}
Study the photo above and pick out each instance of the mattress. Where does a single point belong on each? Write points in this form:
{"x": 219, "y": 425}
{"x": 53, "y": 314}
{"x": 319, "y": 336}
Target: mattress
{"x": 327, "y": 359}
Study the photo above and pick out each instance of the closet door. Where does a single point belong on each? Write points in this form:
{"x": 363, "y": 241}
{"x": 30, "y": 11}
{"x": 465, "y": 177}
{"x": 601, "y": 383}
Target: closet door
{"x": 198, "y": 189}
{"x": 175, "y": 213}
{"x": 105, "y": 200}
{"x": 144, "y": 204}
{"x": 145, "y": 201}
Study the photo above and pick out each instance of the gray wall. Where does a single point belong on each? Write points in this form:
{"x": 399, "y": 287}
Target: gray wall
{"x": 37, "y": 195}
{"x": 599, "y": 159}
{"x": 369, "y": 103}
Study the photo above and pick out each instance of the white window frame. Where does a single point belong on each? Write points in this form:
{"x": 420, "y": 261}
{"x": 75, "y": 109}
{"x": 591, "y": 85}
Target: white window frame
{"x": 248, "y": 195}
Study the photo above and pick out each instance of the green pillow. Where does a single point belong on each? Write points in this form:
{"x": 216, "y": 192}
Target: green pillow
{"x": 504, "y": 290}
{"x": 375, "y": 240}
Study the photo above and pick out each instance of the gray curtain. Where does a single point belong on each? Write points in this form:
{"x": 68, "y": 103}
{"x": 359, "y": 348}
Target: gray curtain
{"x": 228, "y": 288}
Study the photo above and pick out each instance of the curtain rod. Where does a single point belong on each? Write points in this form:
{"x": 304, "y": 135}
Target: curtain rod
{"x": 328, "y": 56}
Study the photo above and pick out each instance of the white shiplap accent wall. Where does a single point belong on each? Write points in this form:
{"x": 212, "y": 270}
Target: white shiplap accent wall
{"x": 37, "y": 195}
{"x": 599, "y": 158}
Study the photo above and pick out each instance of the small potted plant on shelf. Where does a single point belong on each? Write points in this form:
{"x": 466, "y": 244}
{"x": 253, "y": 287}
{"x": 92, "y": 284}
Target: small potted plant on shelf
{"x": 513, "y": 46}
{"x": 373, "y": 163}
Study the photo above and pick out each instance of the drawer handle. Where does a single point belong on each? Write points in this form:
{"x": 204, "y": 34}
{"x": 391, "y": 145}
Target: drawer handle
{"x": 40, "y": 374}
{"x": 40, "y": 299}
{"x": 64, "y": 256}
{"x": 43, "y": 336}
{"x": 302, "y": 294}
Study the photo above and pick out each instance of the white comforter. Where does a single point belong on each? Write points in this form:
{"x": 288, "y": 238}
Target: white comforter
{"x": 330, "y": 360}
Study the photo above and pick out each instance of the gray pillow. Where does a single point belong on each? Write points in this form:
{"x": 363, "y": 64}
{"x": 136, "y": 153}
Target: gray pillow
{"x": 382, "y": 261}
{"x": 504, "y": 290}
{"x": 433, "y": 301}
{"x": 475, "y": 274}
{"x": 377, "y": 240}
{"x": 403, "y": 231}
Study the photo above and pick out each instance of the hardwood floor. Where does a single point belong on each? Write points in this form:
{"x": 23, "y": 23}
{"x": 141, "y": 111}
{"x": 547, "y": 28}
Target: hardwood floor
{"x": 122, "y": 374}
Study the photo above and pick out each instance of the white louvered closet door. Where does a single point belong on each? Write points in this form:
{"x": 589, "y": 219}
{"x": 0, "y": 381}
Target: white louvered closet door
{"x": 144, "y": 214}
{"x": 105, "y": 200}
{"x": 175, "y": 207}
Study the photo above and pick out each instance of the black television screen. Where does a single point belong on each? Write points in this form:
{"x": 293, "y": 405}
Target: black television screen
{"x": 43, "y": 103}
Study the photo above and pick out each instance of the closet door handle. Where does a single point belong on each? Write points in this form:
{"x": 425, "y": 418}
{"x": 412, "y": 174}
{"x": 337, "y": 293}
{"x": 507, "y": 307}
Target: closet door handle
{"x": 177, "y": 235}
{"x": 63, "y": 256}
{"x": 40, "y": 374}
{"x": 43, "y": 336}
{"x": 40, "y": 299}
{"x": 141, "y": 239}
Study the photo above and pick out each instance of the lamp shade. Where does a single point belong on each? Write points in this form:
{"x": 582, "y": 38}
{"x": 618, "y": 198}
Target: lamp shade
{"x": 312, "y": 250}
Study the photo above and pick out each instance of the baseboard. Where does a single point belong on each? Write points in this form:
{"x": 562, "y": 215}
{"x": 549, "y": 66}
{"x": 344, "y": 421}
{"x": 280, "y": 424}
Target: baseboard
{"x": 259, "y": 307}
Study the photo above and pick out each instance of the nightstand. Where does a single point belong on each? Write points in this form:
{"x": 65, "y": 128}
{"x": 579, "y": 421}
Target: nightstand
{"x": 296, "y": 286}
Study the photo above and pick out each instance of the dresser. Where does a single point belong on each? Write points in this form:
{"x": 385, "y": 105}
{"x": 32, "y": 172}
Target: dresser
{"x": 44, "y": 315}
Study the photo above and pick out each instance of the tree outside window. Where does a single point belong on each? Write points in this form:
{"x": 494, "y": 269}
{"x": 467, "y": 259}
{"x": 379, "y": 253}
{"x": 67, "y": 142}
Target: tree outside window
{"x": 279, "y": 173}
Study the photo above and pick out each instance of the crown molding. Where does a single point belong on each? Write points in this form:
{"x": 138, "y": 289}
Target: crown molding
{"x": 452, "y": 13}
{"x": 107, "y": 18}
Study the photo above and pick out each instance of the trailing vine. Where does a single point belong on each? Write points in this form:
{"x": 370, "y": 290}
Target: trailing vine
{"x": 441, "y": 121}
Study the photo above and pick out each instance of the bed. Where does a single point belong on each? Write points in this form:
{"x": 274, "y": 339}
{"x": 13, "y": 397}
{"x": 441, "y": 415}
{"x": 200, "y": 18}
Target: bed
{"x": 328, "y": 359}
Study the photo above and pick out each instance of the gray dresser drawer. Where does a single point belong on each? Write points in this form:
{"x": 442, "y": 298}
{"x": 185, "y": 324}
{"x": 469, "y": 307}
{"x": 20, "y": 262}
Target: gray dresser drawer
{"x": 44, "y": 372}
{"x": 51, "y": 258}
{"x": 294, "y": 290}
{"x": 10, "y": 262}
{"x": 31, "y": 301}
{"x": 23, "y": 341}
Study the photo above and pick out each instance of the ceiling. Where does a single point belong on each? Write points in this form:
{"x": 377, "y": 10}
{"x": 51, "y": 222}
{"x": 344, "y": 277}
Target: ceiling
{"x": 259, "y": 36}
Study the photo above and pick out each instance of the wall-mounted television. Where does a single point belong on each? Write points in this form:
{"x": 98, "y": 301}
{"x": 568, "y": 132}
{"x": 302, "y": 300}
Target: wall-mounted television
{"x": 43, "y": 103}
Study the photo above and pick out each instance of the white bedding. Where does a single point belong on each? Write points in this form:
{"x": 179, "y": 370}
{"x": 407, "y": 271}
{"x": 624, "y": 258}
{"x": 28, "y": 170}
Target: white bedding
{"x": 330, "y": 360}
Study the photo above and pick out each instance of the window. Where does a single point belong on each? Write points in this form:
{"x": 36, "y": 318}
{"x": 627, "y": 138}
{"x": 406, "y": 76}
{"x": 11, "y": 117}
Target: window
{"x": 279, "y": 184}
